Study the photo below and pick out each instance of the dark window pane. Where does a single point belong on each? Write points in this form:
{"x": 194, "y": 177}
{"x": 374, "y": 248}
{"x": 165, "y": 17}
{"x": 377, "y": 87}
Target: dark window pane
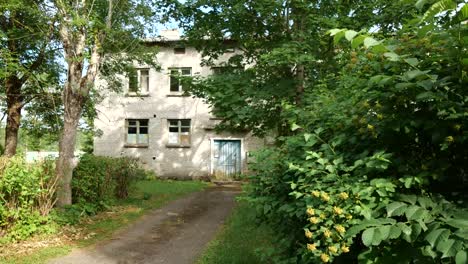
{"x": 173, "y": 129}
{"x": 173, "y": 123}
{"x": 132, "y": 130}
{"x": 185, "y": 129}
{"x": 186, "y": 71}
{"x": 143, "y": 122}
{"x": 179, "y": 50}
{"x": 143, "y": 130}
{"x": 185, "y": 122}
{"x": 174, "y": 84}
{"x": 132, "y": 80}
{"x": 132, "y": 122}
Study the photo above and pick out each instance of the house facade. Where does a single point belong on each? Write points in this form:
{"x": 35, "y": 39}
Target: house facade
{"x": 171, "y": 133}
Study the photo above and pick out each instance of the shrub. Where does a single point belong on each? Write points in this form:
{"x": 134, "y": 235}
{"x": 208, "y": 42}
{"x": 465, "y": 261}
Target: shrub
{"x": 26, "y": 197}
{"x": 375, "y": 171}
{"x": 98, "y": 181}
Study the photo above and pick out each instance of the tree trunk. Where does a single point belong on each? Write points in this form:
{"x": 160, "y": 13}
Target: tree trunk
{"x": 14, "y": 106}
{"x": 73, "y": 104}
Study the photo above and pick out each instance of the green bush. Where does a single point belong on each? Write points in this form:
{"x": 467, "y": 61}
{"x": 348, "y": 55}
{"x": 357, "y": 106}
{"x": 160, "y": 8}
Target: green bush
{"x": 26, "y": 197}
{"x": 375, "y": 171}
{"x": 98, "y": 181}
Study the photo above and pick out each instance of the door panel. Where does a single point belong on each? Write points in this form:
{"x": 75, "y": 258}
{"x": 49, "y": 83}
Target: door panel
{"x": 227, "y": 158}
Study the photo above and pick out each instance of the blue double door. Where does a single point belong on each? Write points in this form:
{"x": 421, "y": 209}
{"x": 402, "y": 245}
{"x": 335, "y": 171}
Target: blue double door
{"x": 227, "y": 158}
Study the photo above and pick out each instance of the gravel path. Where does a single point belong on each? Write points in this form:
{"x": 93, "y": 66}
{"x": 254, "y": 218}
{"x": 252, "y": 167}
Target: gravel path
{"x": 174, "y": 234}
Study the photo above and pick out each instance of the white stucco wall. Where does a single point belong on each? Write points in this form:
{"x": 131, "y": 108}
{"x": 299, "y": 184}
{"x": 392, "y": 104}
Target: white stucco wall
{"x": 159, "y": 106}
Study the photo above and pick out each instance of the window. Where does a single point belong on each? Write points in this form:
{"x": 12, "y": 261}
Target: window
{"x": 179, "y": 132}
{"x": 137, "y": 132}
{"x": 138, "y": 81}
{"x": 176, "y": 73}
{"x": 179, "y": 50}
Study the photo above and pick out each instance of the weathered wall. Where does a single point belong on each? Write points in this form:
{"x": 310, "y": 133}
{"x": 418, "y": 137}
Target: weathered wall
{"x": 157, "y": 107}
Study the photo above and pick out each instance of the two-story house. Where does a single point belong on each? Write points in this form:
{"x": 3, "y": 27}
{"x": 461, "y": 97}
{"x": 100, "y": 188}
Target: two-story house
{"x": 168, "y": 131}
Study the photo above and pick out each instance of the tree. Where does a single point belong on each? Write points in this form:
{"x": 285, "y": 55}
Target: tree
{"x": 90, "y": 31}
{"x": 285, "y": 41}
{"x": 27, "y": 59}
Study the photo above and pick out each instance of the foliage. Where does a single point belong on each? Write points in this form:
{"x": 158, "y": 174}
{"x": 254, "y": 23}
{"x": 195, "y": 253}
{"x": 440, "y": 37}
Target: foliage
{"x": 98, "y": 181}
{"x": 272, "y": 39}
{"x": 26, "y": 198}
{"x": 376, "y": 163}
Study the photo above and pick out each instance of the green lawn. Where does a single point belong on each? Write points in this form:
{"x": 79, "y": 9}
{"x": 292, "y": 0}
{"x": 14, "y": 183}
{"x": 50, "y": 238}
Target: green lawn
{"x": 239, "y": 240}
{"x": 145, "y": 196}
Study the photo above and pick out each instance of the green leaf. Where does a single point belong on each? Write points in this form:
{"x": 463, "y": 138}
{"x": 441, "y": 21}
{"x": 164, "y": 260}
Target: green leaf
{"x": 438, "y": 7}
{"x": 334, "y": 31}
{"x": 338, "y": 36}
{"x": 420, "y": 3}
{"x": 447, "y": 248}
{"x": 414, "y": 212}
{"x": 295, "y": 127}
{"x": 437, "y": 235}
{"x": 350, "y": 34}
{"x": 458, "y": 223}
{"x": 371, "y": 236}
{"x": 293, "y": 186}
{"x": 357, "y": 41}
{"x": 414, "y": 74}
{"x": 392, "y": 56}
{"x": 307, "y": 136}
{"x": 395, "y": 232}
{"x": 461, "y": 257}
{"x": 412, "y": 61}
{"x": 396, "y": 209}
{"x": 369, "y": 42}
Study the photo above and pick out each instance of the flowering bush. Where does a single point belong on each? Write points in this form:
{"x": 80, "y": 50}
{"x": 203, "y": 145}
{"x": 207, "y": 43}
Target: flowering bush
{"x": 375, "y": 168}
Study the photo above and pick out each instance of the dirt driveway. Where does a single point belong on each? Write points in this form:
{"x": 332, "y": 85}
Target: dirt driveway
{"x": 174, "y": 234}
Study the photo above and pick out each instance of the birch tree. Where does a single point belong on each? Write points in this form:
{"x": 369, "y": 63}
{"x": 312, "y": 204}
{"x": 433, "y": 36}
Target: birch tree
{"x": 90, "y": 30}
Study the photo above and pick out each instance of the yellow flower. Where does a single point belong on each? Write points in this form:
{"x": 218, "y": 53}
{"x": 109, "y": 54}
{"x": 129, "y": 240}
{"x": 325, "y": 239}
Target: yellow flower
{"x": 349, "y": 217}
{"x": 344, "y": 196}
{"x": 379, "y": 116}
{"x": 370, "y": 127}
{"x": 337, "y": 210}
{"x": 457, "y": 127}
{"x": 314, "y": 220}
{"x": 311, "y": 247}
{"x": 332, "y": 249}
{"x": 327, "y": 233}
{"x": 449, "y": 139}
{"x": 308, "y": 234}
{"x": 325, "y": 258}
{"x": 340, "y": 229}
{"x": 325, "y": 197}
{"x": 323, "y": 216}
{"x": 344, "y": 248}
{"x": 316, "y": 193}
{"x": 310, "y": 211}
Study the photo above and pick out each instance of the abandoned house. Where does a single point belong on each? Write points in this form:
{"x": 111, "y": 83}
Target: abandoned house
{"x": 171, "y": 133}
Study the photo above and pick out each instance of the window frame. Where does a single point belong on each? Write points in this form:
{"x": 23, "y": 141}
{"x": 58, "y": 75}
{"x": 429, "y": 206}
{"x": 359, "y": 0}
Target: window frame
{"x": 179, "y": 132}
{"x": 179, "y": 73}
{"x": 140, "y": 91}
{"x": 138, "y": 127}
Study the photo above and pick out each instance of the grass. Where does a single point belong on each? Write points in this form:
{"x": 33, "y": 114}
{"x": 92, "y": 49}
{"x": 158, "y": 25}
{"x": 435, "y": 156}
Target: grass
{"x": 145, "y": 196}
{"x": 239, "y": 240}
